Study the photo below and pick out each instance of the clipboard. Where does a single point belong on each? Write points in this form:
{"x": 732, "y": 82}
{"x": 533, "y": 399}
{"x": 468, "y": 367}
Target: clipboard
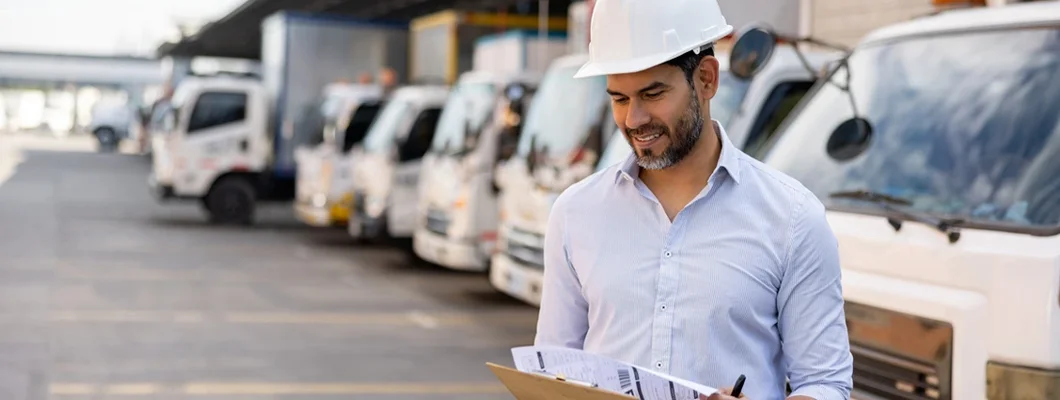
{"x": 526, "y": 386}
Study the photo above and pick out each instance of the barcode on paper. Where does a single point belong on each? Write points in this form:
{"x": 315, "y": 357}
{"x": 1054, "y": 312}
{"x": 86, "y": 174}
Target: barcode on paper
{"x": 624, "y": 380}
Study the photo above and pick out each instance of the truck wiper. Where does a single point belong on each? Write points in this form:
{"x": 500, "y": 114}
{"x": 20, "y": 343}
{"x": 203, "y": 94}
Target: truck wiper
{"x": 892, "y": 204}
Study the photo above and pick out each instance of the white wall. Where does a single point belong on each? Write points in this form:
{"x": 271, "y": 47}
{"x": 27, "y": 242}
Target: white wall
{"x": 847, "y": 21}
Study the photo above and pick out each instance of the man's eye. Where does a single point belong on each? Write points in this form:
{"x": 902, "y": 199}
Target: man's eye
{"x": 620, "y": 101}
{"x": 653, "y": 95}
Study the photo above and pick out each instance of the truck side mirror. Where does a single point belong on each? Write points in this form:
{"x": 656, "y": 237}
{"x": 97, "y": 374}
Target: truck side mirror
{"x": 752, "y": 50}
{"x": 849, "y": 139}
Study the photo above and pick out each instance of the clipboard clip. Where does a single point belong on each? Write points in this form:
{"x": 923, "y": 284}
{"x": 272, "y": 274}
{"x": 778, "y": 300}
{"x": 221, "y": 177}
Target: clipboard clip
{"x": 561, "y": 378}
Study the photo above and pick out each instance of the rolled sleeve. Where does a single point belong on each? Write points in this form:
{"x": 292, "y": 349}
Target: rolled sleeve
{"x": 563, "y": 315}
{"x": 821, "y": 392}
{"x": 815, "y": 343}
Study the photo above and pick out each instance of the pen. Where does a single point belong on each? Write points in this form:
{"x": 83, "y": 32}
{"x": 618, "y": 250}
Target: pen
{"x": 738, "y": 387}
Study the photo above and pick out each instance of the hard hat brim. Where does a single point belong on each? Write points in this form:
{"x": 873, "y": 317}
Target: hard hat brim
{"x": 591, "y": 69}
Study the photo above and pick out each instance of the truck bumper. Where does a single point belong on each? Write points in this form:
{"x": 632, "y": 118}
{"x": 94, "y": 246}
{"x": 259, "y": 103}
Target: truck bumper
{"x": 448, "y": 252}
{"x": 161, "y": 192}
{"x": 335, "y": 214}
{"x": 516, "y": 280}
{"x": 312, "y": 216}
{"x": 363, "y": 226}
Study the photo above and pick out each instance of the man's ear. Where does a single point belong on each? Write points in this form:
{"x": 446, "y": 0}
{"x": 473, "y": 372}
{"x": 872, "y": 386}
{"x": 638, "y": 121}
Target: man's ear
{"x": 707, "y": 76}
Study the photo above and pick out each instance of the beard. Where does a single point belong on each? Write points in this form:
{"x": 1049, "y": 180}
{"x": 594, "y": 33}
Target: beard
{"x": 682, "y": 140}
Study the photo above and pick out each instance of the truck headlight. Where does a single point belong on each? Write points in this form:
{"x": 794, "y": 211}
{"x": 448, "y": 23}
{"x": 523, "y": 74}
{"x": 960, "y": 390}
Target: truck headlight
{"x": 320, "y": 200}
{"x": 1004, "y": 382}
{"x": 374, "y": 206}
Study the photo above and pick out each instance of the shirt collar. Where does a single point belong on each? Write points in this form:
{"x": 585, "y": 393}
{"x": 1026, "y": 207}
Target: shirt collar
{"x": 729, "y": 159}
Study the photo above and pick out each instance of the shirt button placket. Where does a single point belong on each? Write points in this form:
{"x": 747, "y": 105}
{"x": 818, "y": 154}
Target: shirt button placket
{"x": 662, "y": 331}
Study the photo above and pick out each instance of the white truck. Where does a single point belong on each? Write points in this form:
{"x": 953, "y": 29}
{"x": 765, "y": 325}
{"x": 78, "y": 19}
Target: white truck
{"x": 457, "y": 213}
{"x": 231, "y": 140}
{"x": 938, "y": 160}
{"x": 323, "y": 185}
{"x": 386, "y": 174}
{"x": 750, "y": 111}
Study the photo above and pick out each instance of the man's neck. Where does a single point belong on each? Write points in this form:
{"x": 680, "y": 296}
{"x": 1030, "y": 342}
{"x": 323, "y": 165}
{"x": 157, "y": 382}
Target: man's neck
{"x": 691, "y": 173}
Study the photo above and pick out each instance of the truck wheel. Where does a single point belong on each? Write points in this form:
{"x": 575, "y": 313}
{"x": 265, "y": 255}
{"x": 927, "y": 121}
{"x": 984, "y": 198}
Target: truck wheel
{"x": 231, "y": 201}
{"x": 107, "y": 138}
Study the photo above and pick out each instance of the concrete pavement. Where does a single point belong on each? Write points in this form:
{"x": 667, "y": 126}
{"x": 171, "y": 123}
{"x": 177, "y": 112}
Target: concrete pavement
{"x": 106, "y": 294}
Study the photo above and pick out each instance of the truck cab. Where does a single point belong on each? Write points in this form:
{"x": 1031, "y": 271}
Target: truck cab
{"x": 749, "y": 109}
{"x": 457, "y": 213}
{"x": 937, "y": 163}
{"x": 386, "y": 175}
{"x": 323, "y": 186}
{"x": 215, "y": 146}
{"x": 566, "y": 129}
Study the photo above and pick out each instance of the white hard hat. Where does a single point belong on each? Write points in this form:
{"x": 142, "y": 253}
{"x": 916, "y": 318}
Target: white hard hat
{"x": 634, "y": 35}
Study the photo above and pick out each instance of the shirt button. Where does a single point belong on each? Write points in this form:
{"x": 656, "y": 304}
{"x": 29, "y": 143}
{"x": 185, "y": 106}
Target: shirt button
{"x": 668, "y": 254}
{"x": 663, "y": 306}
{"x": 658, "y": 365}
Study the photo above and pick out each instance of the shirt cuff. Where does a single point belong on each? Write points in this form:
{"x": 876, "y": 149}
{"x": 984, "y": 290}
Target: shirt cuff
{"x": 820, "y": 392}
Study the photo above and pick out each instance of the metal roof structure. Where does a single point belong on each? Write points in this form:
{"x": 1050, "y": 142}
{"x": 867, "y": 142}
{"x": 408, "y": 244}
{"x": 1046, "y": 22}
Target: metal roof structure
{"x": 34, "y": 68}
{"x": 238, "y": 34}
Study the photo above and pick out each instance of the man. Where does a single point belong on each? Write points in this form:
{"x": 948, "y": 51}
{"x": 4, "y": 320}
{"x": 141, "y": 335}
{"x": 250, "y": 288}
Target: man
{"x": 388, "y": 78}
{"x": 364, "y": 78}
{"x": 691, "y": 258}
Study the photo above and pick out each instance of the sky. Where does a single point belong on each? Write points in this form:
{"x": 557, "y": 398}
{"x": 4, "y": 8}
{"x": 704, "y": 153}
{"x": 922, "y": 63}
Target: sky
{"x": 106, "y": 27}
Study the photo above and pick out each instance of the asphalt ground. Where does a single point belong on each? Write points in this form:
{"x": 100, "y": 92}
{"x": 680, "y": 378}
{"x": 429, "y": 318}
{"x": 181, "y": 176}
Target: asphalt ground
{"x": 106, "y": 293}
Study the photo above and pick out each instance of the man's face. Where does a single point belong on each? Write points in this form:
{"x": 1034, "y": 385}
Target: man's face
{"x": 660, "y": 112}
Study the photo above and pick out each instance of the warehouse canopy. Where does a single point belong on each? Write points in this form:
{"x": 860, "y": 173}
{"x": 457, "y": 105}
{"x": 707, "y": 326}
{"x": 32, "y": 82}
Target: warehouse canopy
{"x": 238, "y": 34}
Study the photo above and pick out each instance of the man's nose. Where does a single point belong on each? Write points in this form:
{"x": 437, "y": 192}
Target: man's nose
{"x": 636, "y": 116}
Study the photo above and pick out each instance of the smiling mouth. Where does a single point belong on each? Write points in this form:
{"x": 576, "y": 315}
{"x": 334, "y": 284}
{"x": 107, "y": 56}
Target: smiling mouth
{"x": 647, "y": 139}
{"x": 644, "y": 142}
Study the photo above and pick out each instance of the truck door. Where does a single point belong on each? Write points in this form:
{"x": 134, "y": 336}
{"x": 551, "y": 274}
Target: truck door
{"x": 216, "y": 140}
{"x": 404, "y": 195}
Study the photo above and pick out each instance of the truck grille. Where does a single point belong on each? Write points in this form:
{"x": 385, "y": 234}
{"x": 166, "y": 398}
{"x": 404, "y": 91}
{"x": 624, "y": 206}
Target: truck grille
{"x": 892, "y": 377}
{"x": 531, "y": 255}
{"x": 437, "y": 222}
{"x": 899, "y": 356}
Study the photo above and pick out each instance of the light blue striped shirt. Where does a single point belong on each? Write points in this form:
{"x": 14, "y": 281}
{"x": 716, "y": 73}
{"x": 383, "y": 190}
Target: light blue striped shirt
{"x": 745, "y": 280}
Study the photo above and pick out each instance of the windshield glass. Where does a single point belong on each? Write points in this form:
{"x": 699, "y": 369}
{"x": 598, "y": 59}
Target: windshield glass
{"x": 383, "y": 131}
{"x": 312, "y": 123}
{"x": 616, "y": 151}
{"x": 731, "y": 92}
{"x": 358, "y": 124}
{"x": 468, "y": 105}
{"x": 959, "y": 131}
{"x": 563, "y": 111}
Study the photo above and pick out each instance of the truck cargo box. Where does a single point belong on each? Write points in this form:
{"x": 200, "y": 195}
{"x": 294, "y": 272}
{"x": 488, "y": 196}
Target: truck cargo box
{"x": 517, "y": 50}
{"x": 443, "y": 44}
{"x": 303, "y": 53}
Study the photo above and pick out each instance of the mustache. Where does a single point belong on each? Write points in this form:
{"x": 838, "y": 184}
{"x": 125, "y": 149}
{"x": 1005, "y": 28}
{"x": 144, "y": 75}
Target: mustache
{"x": 648, "y": 129}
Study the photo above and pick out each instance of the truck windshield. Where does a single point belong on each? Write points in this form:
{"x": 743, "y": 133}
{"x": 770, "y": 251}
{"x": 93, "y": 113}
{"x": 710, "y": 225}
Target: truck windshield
{"x": 468, "y": 106}
{"x": 727, "y": 100}
{"x": 384, "y": 129}
{"x": 313, "y": 122}
{"x": 616, "y": 151}
{"x": 959, "y": 131}
{"x": 563, "y": 112}
{"x": 357, "y": 127}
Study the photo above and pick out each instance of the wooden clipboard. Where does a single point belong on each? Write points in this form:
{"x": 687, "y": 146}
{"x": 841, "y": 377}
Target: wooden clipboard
{"x": 525, "y": 386}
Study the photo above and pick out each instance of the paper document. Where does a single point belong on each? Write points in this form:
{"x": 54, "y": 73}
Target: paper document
{"x": 606, "y": 373}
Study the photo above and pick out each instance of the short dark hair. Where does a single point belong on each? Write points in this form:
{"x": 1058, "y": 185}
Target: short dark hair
{"x": 689, "y": 61}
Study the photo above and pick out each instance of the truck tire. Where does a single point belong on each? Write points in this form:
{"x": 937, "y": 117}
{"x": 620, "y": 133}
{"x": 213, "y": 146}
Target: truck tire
{"x": 231, "y": 201}
{"x": 108, "y": 139}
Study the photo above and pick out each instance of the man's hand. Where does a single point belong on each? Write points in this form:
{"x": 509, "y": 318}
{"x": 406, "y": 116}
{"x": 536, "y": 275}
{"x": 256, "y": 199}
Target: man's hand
{"x": 723, "y": 394}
